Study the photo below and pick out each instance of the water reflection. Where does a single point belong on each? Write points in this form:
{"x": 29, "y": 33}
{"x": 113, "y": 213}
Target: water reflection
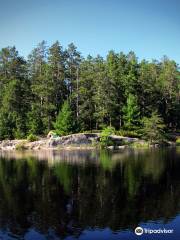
{"x": 66, "y": 192}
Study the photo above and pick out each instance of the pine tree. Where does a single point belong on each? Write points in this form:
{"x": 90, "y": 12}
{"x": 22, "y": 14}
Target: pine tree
{"x": 168, "y": 84}
{"x": 153, "y": 127}
{"x": 86, "y": 93}
{"x": 64, "y": 124}
{"x": 148, "y": 92}
{"x": 42, "y": 88}
{"x": 56, "y": 62}
{"x": 116, "y": 90}
{"x": 73, "y": 60}
{"x": 131, "y": 83}
{"x": 131, "y": 113}
{"x": 34, "y": 121}
{"x": 14, "y": 98}
{"x": 105, "y": 95}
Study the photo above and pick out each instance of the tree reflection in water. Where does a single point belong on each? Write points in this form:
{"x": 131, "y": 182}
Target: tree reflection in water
{"x": 71, "y": 191}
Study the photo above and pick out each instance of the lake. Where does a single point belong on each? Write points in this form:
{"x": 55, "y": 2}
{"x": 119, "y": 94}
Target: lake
{"x": 90, "y": 194}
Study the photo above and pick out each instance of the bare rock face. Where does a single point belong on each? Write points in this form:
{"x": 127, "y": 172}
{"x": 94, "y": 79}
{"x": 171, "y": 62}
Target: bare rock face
{"x": 85, "y": 139}
{"x": 74, "y": 139}
{"x": 9, "y": 144}
{"x": 40, "y": 144}
{"x": 22, "y": 144}
{"x": 54, "y": 141}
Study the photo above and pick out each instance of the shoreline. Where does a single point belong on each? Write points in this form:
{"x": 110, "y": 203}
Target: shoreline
{"x": 79, "y": 141}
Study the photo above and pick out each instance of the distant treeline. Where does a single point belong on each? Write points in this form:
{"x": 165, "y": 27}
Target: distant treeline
{"x": 100, "y": 92}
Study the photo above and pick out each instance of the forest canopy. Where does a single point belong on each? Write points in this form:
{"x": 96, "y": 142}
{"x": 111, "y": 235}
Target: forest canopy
{"x": 117, "y": 91}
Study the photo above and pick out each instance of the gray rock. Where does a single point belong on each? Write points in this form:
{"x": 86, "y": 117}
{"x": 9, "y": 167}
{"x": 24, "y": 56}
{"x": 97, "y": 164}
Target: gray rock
{"x": 122, "y": 147}
{"x": 74, "y": 139}
{"x": 111, "y": 147}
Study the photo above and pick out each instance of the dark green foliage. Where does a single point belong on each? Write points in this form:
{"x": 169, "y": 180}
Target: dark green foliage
{"x": 105, "y": 136}
{"x": 131, "y": 113}
{"x": 128, "y": 133}
{"x": 31, "y": 137}
{"x": 34, "y": 121}
{"x": 116, "y": 91}
{"x": 85, "y": 93}
{"x": 153, "y": 127}
{"x": 178, "y": 142}
{"x": 13, "y": 94}
{"x": 64, "y": 124}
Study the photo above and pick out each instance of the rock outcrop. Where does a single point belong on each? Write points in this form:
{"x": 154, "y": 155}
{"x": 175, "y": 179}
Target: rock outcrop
{"x": 53, "y": 142}
{"x": 74, "y": 139}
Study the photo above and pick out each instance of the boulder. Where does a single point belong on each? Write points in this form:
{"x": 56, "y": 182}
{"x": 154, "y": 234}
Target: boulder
{"x": 73, "y": 139}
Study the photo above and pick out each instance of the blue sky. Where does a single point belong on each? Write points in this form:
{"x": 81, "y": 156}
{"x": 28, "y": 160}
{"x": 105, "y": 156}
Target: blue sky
{"x": 151, "y": 28}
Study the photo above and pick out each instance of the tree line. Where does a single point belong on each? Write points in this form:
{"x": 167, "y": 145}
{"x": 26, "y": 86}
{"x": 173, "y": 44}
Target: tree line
{"x": 57, "y": 85}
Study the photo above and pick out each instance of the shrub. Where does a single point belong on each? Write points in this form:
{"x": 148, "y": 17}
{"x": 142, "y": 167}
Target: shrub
{"x": 31, "y": 138}
{"x": 140, "y": 145}
{"x": 91, "y": 131}
{"x": 178, "y": 142}
{"x": 170, "y": 137}
{"x": 128, "y": 133}
{"x": 21, "y": 146}
{"x": 105, "y": 136}
{"x": 153, "y": 128}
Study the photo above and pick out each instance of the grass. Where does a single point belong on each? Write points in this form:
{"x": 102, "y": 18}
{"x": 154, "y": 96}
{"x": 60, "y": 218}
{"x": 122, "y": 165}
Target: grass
{"x": 128, "y": 133}
{"x": 21, "y": 146}
{"x": 140, "y": 145}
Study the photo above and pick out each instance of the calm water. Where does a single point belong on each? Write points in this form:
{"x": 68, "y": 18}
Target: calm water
{"x": 89, "y": 195}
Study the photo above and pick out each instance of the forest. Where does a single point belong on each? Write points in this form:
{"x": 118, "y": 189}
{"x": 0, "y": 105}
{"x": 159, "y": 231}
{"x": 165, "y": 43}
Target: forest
{"x": 58, "y": 88}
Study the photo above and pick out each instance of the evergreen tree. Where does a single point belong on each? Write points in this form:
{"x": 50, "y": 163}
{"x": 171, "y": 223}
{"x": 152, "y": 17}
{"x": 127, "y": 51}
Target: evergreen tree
{"x": 105, "y": 95}
{"x": 131, "y": 113}
{"x": 73, "y": 60}
{"x": 42, "y": 88}
{"x": 168, "y": 85}
{"x": 131, "y": 83}
{"x": 13, "y": 95}
{"x": 153, "y": 127}
{"x": 86, "y": 94}
{"x": 120, "y": 87}
{"x": 56, "y": 62}
{"x": 64, "y": 124}
{"x": 34, "y": 121}
{"x": 113, "y": 91}
{"x": 148, "y": 93}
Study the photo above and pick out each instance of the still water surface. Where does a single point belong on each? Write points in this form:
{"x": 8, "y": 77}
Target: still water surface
{"x": 89, "y": 195}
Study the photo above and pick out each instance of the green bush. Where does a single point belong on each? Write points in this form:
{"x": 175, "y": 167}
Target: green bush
{"x": 105, "y": 139}
{"x": 91, "y": 131}
{"x": 178, "y": 142}
{"x": 128, "y": 133}
{"x": 140, "y": 145}
{"x": 31, "y": 138}
{"x": 169, "y": 137}
{"x": 21, "y": 146}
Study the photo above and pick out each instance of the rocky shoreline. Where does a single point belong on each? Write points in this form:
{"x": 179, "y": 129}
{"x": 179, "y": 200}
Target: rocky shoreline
{"x": 73, "y": 141}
